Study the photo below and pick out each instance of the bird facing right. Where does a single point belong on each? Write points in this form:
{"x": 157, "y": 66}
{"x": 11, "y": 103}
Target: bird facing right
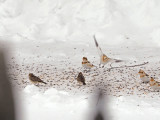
{"x": 34, "y": 79}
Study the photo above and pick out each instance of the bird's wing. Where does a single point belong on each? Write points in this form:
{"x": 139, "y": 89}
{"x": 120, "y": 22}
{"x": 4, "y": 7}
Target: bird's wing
{"x": 38, "y": 79}
{"x": 83, "y": 79}
{"x": 97, "y": 46}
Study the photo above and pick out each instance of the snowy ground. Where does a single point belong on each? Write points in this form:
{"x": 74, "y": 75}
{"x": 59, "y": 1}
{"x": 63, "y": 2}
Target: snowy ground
{"x": 50, "y": 37}
{"x": 59, "y": 68}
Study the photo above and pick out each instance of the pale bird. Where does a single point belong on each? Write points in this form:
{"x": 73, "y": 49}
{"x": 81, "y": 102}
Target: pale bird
{"x": 86, "y": 63}
{"x": 154, "y": 84}
{"x": 104, "y": 59}
{"x": 143, "y": 76}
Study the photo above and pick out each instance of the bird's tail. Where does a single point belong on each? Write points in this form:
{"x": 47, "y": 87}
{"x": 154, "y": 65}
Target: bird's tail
{"x": 84, "y": 83}
{"x": 97, "y": 46}
{"x": 44, "y": 82}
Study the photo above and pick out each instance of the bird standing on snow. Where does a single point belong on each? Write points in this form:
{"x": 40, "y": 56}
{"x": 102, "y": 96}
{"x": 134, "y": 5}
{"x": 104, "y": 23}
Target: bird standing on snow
{"x": 144, "y": 77}
{"x": 103, "y": 58}
{"x": 86, "y": 63}
{"x": 34, "y": 79}
{"x": 81, "y": 79}
{"x": 154, "y": 84}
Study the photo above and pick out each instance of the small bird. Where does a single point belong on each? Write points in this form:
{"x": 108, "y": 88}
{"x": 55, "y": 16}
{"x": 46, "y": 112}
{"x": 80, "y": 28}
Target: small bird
{"x": 104, "y": 59}
{"x": 154, "y": 84}
{"x": 86, "y": 63}
{"x": 81, "y": 79}
{"x": 143, "y": 76}
{"x": 34, "y": 79}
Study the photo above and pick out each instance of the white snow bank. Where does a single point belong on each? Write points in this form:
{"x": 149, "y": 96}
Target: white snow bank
{"x": 58, "y": 105}
{"x": 53, "y": 104}
{"x": 117, "y": 22}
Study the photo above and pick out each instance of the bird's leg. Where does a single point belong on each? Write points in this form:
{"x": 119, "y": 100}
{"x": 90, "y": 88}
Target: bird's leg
{"x": 109, "y": 67}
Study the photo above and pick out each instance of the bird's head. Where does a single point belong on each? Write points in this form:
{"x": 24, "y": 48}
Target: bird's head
{"x": 85, "y": 59}
{"x": 31, "y": 74}
{"x": 141, "y": 71}
{"x": 80, "y": 73}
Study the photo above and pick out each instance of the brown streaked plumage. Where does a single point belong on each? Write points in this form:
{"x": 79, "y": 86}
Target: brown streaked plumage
{"x": 34, "y": 79}
{"x": 81, "y": 79}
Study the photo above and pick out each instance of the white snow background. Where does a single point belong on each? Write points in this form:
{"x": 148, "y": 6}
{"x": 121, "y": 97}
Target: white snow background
{"x": 63, "y": 30}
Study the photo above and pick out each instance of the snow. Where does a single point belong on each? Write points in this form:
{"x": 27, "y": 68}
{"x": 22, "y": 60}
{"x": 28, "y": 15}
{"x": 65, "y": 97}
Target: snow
{"x": 50, "y": 37}
{"x": 60, "y": 20}
{"x": 54, "y": 104}
{"x": 126, "y": 92}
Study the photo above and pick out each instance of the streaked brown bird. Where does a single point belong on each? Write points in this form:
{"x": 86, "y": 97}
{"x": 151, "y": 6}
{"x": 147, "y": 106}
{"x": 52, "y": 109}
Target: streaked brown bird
{"x": 81, "y": 79}
{"x": 34, "y": 79}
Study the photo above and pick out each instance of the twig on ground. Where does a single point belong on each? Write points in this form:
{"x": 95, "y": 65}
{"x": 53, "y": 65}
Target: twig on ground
{"x": 128, "y": 66}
